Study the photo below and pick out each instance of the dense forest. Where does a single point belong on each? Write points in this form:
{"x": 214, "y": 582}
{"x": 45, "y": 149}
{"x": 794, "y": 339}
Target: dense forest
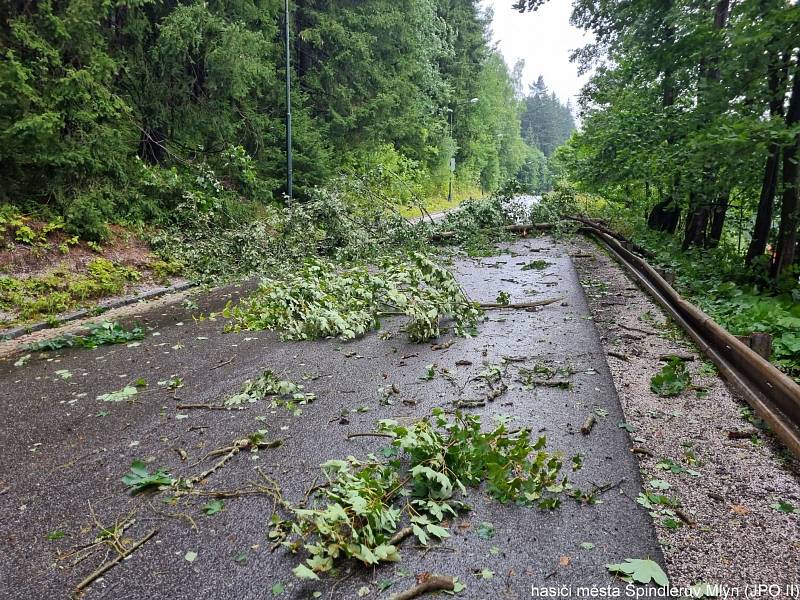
{"x": 154, "y": 112}
{"x": 692, "y": 115}
{"x": 690, "y": 141}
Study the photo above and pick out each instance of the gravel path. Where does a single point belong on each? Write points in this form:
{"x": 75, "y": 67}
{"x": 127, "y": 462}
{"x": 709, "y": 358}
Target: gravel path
{"x": 735, "y": 537}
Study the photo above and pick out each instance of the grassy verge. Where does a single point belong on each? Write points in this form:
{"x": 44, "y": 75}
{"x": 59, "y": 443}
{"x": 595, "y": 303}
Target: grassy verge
{"x": 441, "y": 204}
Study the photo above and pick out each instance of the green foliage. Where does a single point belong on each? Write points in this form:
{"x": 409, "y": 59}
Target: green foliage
{"x": 715, "y": 281}
{"x": 288, "y": 393}
{"x": 673, "y": 378}
{"x": 546, "y": 123}
{"x": 139, "y": 478}
{"x": 321, "y": 300}
{"x": 60, "y": 290}
{"x": 535, "y": 265}
{"x": 116, "y": 112}
{"x": 478, "y": 224}
{"x": 100, "y": 334}
{"x": 640, "y": 571}
{"x": 434, "y": 460}
{"x": 666, "y": 139}
{"x": 214, "y": 507}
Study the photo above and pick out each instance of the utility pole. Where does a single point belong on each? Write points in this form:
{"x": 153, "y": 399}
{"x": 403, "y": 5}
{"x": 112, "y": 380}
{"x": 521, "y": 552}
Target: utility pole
{"x": 452, "y": 162}
{"x": 288, "y": 106}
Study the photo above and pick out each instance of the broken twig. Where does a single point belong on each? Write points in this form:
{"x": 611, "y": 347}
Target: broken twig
{"x": 426, "y": 583}
{"x": 115, "y": 561}
{"x": 586, "y": 428}
{"x": 519, "y": 305}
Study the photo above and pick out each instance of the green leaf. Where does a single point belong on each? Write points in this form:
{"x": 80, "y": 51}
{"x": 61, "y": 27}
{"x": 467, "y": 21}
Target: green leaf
{"x": 125, "y": 393}
{"x": 303, "y": 572}
{"x": 672, "y": 379}
{"x": 785, "y": 507}
{"x": 140, "y": 478}
{"x": 438, "y": 531}
{"x": 587, "y": 545}
{"x": 277, "y": 589}
{"x": 213, "y": 507}
{"x": 486, "y": 530}
{"x": 640, "y": 571}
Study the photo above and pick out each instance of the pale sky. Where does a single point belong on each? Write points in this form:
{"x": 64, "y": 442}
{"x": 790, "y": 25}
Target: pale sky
{"x": 545, "y": 40}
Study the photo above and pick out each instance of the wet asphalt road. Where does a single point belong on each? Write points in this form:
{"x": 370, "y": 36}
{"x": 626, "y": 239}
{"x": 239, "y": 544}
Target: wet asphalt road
{"x": 64, "y": 451}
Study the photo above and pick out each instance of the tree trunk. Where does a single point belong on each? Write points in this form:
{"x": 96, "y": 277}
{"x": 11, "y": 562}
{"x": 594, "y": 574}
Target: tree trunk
{"x": 787, "y": 231}
{"x": 699, "y": 204}
{"x": 696, "y": 223}
{"x": 758, "y": 241}
{"x": 665, "y": 215}
{"x": 760, "y": 236}
{"x": 719, "y": 212}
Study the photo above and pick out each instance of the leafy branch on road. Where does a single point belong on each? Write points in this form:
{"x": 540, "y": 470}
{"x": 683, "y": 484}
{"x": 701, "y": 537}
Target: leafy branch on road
{"x": 358, "y": 513}
{"x": 320, "y": 300}
{"x": 99, "y": 334}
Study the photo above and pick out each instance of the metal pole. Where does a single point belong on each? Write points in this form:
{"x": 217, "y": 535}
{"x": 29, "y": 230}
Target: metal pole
{"x": 450, "y": 166}
{"x": 288, "y": 107}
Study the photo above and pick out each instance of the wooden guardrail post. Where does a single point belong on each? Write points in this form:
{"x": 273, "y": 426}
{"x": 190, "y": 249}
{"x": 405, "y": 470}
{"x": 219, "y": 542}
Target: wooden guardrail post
{"x": 760, "y": 343}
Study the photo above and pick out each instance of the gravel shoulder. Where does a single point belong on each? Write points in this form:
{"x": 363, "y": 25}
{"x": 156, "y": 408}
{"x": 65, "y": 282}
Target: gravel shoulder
{"x": 731, "y": 535}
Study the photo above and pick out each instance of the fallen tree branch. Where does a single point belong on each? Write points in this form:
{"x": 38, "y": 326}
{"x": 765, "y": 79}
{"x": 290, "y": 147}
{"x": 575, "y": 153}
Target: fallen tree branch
{"x": 231, "y": 451}
{"x": 679, "y": 356}
{"x": 559, "y": 383}
{"x": 222, "y": 364}
{"x": 683, "y": 516}
{"x": 642, "y": 451}
{"x": 520, "y": 305}
{"x": 516, "y": 228}
{"x": 384, "y": 435}
{"x": 636, "y": 329}
{"x": 400, "y": 536}
{"x": 115, "y": 561}
{"x": 427, "y": 583}
{"x": 208, "y": 407}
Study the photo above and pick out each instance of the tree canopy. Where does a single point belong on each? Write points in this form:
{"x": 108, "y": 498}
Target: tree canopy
{"x": 103, "y": 105}
{"x": 694, "y": 108}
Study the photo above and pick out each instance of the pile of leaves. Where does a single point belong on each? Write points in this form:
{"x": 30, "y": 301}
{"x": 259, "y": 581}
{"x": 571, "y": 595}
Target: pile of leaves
{"x": 360, "y": 510}
{"x": 100, "y": 334}
{"x": 319, "y": 300}
{"x": 285, "y": 393}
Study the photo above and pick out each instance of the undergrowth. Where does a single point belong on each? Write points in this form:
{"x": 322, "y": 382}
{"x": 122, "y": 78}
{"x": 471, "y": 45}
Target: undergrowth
{"x": 422, "y": 483}
{"x": 741, "y": 300}
{"x": 61, "y": 290}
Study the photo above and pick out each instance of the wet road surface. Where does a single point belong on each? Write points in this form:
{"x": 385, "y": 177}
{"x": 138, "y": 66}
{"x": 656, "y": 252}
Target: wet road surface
{"x": 64, "y": 451}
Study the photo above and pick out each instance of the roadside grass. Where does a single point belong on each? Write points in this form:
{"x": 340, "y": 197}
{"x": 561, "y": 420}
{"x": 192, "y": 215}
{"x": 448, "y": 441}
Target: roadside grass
{"x": 440, "y": 204}
{"x": 46, "y": 295}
